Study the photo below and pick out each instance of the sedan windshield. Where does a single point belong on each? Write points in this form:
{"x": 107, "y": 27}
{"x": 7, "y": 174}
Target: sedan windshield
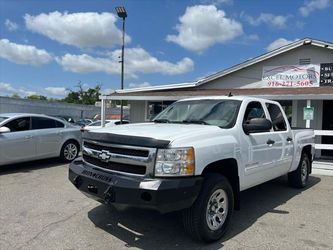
{"x": 222, "y": 113}
{"x": 2, "y": 118}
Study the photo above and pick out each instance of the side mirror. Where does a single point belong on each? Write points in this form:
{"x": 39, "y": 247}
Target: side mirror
{"x": 257, "y": 125}
{"x": 4, "y": 130}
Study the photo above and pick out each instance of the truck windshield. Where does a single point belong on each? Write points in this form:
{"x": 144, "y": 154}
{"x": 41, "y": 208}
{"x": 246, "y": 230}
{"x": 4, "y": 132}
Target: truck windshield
{"x": 222, "y": 113}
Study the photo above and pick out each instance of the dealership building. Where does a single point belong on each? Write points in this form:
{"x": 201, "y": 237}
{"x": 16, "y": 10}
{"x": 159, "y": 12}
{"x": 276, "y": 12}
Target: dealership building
{"x": 298, "y": 75}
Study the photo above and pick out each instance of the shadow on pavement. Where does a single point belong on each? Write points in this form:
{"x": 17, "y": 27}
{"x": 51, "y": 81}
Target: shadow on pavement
{"x": 151, "y": 230}
{"x": 25, "y": 167}
{"x": 265, "y": 198}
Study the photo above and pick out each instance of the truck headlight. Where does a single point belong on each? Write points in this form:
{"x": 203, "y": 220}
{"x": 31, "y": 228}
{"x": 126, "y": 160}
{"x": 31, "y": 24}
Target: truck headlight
{"x": 175, "y": 162}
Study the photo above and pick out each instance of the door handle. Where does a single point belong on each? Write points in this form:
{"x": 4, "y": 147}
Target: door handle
{"x": 28, "y": 136}
{"x": 270, "y": 142}
{"x": 289, "y": 139}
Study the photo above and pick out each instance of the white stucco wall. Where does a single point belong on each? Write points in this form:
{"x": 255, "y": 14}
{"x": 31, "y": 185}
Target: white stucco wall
{"x": 137, "y": 111}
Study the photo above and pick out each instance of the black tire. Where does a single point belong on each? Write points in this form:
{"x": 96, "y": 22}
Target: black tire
{"x": 197, "y": 219}
{"x": 299, "y": 178}
{"x": 69, "y": 151}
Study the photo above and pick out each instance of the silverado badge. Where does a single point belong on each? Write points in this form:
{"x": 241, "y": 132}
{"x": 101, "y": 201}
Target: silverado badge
{"x": 104, "y": 155}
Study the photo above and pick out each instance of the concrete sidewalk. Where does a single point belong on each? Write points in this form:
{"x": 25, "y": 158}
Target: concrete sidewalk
{"x": 322, "y": 167}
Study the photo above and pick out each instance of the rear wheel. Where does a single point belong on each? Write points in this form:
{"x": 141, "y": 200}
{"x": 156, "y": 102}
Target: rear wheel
{"x": 69, "y": 151}
{"x": 299, "y": 178}
{"x": 208, "y": 218}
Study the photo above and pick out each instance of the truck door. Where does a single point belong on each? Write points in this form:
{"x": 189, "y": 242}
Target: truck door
{"x": 260, "y": 150}
{"x": 283, "y": 139}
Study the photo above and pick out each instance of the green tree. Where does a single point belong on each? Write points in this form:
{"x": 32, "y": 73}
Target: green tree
{"x": 81, "y": 96}
{"x": 15, "y": 95}
{"x": 37, "y": 97}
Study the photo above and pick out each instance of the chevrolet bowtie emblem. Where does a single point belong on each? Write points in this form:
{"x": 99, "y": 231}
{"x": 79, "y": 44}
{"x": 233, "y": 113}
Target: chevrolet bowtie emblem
{"x": 104, "y": 155}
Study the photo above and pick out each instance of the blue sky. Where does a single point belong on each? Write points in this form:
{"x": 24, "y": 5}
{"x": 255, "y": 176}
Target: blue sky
{"x": 47, "y": 47}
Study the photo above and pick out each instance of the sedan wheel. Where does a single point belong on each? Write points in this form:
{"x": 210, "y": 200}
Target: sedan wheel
{"x": 69, "y": 151}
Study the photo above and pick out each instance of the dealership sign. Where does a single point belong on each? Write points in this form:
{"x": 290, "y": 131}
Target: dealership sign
{"x": 326, "y": 74}
{"x": 291, "y": 76}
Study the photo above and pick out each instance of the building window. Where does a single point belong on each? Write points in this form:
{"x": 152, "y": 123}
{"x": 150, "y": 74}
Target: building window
{"x": 155, "y": 107}
{"x": 304, "y": 61}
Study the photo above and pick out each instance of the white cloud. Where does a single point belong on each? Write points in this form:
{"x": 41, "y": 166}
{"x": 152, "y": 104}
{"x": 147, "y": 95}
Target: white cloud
{"x": 139, "y": 85}
{"x": 276, "y": 21}
{"x": 7, "y": 88}
{"x": 23, "y": 54}
{"x": 58, "y": 91}
{"x": 83, "y": 30}
{"x": 107, "y": 91}
{"x": 312, "y": 5}
{"x": 279, "y": 43}
{"x": 253, "y": 37}
{"x": 217, "y": 2}
{"x": 137, "y": 60}
{"x": 11, "y": 26}
{"x": 202, "y": 26}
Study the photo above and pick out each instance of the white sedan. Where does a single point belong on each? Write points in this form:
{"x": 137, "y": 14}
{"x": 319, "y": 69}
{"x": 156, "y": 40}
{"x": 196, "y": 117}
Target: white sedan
{"x": 27, "y": 137}
{"x": 108, "y": 123}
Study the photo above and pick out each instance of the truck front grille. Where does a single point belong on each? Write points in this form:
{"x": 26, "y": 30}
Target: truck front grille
{"x": 123, "y": 151}
{"x": 120, "y": 167}
{"x": 119, "y": 158}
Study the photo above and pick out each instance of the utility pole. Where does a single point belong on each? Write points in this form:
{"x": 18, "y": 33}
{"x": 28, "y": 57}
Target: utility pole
{"x": 122, "y": 14}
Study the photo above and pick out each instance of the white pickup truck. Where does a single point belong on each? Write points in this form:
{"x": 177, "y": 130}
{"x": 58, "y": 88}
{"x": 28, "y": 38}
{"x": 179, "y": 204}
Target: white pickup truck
{"x": 197, "y": 156}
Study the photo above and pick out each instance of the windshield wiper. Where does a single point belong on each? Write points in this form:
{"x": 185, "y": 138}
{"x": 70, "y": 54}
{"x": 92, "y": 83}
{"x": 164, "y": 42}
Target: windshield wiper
{"x": 195, "y": 122}
{"x": 161, "y": 121}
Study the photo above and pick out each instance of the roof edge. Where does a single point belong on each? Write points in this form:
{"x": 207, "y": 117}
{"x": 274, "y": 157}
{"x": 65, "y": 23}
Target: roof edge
{"x": 265, "y": 56}
{"x": 160, "y": 87}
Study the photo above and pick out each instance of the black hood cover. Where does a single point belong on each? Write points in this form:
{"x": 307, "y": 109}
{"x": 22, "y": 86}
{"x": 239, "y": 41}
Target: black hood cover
{"x": 125, "y": 140}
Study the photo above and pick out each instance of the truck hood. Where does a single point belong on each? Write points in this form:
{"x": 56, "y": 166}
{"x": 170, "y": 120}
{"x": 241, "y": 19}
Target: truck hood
{"x": 161, "y": 131}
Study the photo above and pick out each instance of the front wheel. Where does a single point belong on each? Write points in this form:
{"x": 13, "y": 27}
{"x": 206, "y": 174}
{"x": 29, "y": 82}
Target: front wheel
{"x": 299, "y": 178}
{"x": 69, "y": 151}
{"x": 208, "y": 218}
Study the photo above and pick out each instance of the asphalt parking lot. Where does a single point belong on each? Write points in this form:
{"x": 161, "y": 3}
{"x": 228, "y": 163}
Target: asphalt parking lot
{"x": 40, "y": 209}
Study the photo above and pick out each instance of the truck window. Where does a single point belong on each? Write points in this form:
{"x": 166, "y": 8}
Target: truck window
{"x": 253, "y": 110}
{"x": 278, "y": 121}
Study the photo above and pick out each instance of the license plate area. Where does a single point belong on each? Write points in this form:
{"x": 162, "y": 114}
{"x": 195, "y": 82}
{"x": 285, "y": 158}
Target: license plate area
{"x": 92, "y": 189}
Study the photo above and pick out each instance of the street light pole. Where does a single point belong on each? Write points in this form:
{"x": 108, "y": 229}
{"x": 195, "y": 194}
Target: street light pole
{"x": 122, "y": 14}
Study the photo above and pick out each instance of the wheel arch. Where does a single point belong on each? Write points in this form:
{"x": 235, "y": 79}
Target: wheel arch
{"x": 229, "y": 169}
{"x": 72, "y": 140}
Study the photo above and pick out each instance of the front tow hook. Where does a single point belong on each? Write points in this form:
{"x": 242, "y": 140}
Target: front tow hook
{"x": 109, "y": 195}
{"x": 77, "y": 181}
